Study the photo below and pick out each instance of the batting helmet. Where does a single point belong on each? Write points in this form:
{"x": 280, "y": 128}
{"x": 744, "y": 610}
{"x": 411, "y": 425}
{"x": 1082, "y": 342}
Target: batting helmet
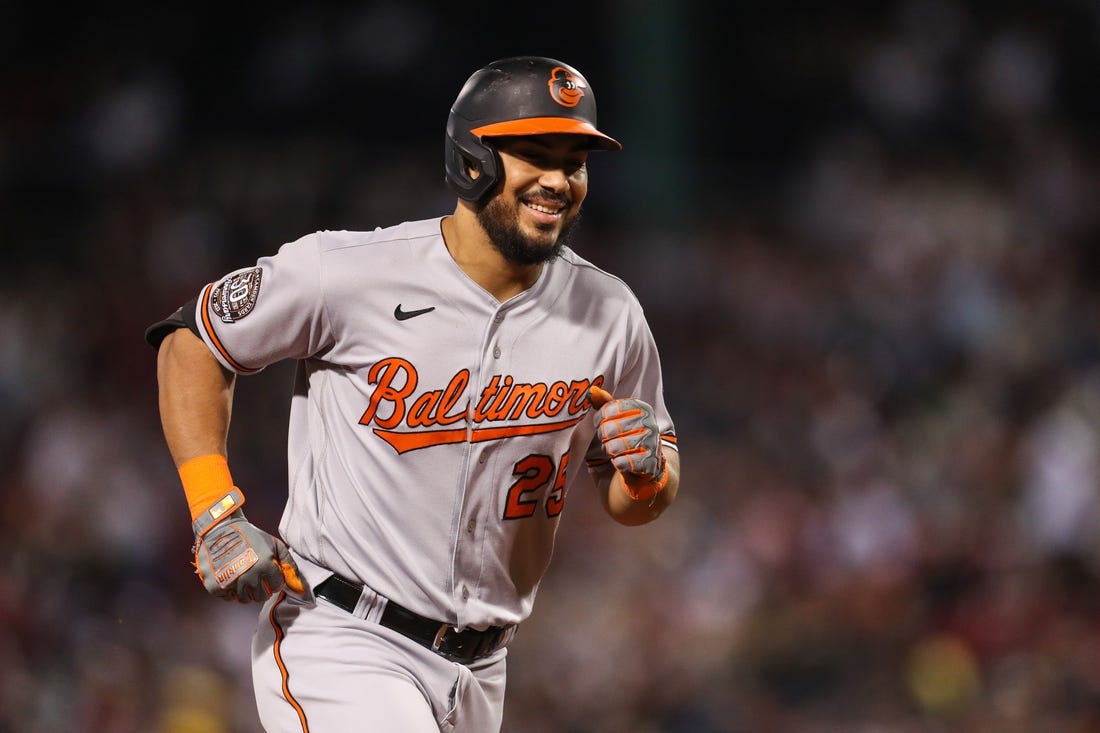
{"x": 524, "y": 95}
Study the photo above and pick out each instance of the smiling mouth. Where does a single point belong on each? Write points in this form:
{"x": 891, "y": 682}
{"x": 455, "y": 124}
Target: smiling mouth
{"x": 550, "y": 209}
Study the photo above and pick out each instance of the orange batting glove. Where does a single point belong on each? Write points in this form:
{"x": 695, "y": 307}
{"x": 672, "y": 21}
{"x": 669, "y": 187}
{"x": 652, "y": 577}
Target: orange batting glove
{"x": 632, "y": 442}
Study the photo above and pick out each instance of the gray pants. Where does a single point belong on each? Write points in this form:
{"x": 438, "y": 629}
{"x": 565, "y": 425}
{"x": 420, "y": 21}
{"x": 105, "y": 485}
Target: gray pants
{"x": 318, "y": 669}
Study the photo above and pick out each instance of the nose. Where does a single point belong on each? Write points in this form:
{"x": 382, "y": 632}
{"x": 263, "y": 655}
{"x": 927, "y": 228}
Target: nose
{"x": 554, "y": 179}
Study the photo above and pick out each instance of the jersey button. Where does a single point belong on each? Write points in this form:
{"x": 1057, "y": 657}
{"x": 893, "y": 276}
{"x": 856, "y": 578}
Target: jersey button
{"x": 470, "y": 526}
{"x": 496, "y": 352}
{"x": 465, "y": 593}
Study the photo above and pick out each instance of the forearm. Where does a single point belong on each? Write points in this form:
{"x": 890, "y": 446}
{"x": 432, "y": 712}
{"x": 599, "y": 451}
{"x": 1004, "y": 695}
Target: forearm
{"x": 632, "y": 512}
{"x": 195, "y": 396}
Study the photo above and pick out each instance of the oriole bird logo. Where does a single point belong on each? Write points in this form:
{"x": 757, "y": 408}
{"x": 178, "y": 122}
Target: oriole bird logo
{"x": 565, "y": 88}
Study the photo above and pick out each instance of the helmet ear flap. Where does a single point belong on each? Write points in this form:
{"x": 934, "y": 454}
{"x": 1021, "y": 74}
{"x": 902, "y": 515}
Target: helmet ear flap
{"x": 479, "y": 157}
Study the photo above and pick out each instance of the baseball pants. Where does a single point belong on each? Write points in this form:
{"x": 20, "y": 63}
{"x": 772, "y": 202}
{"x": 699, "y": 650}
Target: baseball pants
{"x": 319, "y": 669}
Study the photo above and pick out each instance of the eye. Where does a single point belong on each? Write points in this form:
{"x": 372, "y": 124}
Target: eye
{"x": 574, "y": 166}
{"x": 545, "y": 159}
{"x": 532, "y": 155}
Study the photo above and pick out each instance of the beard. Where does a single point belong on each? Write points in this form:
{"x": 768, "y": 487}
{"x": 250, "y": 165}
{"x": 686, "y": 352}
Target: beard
{"x": 502, "y": 225}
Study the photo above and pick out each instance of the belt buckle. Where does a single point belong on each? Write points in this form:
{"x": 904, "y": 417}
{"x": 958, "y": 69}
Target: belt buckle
{"x": 438, "y": 641}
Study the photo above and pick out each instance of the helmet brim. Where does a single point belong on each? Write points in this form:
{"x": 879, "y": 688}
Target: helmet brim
{"x": 548, "y": 126}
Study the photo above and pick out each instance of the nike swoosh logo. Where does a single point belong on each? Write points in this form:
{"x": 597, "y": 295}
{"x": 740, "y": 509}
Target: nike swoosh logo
{"x": 406, "y": 315}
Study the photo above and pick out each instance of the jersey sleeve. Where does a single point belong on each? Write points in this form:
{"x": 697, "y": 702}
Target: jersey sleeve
{"x": 256, "y": 316}
{"x": 640, "y": 378}
{"x": 184, "y": 317}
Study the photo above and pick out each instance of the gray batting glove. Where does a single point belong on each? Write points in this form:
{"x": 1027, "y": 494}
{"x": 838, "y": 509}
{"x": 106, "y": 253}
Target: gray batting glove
{"x": 632, "y": 441}
{"x": 237, "y": 560}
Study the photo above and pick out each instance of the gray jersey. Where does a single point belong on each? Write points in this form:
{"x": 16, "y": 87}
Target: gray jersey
{"x": 435, "y": 433}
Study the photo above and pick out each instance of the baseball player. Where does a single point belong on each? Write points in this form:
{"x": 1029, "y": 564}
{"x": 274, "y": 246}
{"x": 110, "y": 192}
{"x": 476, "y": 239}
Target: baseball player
{"x": 458, "y": 379}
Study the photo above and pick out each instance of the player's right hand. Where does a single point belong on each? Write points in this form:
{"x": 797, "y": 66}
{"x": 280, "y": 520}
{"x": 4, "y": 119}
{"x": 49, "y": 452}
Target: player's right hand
{"x": 238, "y": 561}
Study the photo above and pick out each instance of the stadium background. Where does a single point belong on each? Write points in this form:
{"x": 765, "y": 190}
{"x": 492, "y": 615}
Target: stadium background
{"x": 865, "y": 235}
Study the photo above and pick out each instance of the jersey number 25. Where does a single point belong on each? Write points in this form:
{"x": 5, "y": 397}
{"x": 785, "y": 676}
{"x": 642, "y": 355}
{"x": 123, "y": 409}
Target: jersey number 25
{"x": 534, "y": 473}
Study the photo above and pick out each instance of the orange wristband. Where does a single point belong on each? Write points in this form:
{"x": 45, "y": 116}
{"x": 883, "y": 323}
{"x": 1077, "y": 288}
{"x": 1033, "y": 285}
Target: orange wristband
{"x": 641, "y": 491}
{"x": 206, "y": 480}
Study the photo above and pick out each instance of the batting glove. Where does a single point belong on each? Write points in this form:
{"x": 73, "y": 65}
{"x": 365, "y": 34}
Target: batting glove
{"x": 237, "y": 560}
{"x": 631, "y": 440}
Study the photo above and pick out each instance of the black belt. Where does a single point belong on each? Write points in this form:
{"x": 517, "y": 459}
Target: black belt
{"x": 460, "y": 646}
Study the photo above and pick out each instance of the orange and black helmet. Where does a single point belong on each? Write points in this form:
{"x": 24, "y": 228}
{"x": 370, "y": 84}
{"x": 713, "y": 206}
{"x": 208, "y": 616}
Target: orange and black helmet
{"x": 524, "y": 95}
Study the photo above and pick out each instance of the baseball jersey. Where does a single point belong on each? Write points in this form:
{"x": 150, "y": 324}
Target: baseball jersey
{"x": 435, "y": 433}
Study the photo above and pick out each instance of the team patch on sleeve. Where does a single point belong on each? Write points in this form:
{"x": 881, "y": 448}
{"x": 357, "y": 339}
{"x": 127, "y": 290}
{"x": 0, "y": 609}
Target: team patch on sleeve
{"x": 234, "y": 297}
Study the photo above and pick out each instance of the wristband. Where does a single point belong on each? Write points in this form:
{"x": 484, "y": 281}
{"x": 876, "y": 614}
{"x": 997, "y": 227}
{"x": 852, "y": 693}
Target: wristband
{"x": 641, "y": 491}
{"x": 207, "y": 482}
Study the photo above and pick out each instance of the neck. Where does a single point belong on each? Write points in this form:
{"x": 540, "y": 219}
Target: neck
{"x": 472, "y": 251}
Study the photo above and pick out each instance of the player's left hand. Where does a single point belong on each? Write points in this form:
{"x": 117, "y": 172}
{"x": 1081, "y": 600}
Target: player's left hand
{"x": 631, "y": 440}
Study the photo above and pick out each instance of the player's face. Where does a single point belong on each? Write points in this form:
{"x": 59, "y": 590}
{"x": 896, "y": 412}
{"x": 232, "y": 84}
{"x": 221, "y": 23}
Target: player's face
{"x": 545, "y": 182}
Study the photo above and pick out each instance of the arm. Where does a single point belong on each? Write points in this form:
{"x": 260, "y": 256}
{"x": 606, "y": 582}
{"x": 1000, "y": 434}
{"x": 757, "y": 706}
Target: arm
{"x": 235, "y": 559}
{"x": 196, "y": 397}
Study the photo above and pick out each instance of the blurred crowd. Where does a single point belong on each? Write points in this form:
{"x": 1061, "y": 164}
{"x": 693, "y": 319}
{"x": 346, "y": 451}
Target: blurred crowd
{"x": 881, "y": 344}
